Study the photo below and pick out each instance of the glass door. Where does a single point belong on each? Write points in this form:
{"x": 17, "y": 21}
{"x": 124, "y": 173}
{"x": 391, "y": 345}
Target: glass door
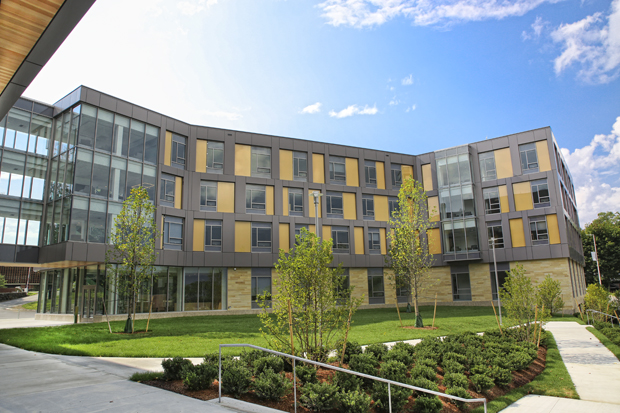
{"x": 88, "y": 302}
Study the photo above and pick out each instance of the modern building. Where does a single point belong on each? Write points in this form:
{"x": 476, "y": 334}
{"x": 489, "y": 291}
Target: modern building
{"x": 227, "y": 201}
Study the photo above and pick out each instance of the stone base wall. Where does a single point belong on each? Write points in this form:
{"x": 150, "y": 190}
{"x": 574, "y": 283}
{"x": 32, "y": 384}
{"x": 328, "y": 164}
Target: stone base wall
{"x": 11, "y": 296}
{"x": 358, "y": 277}
{"x": 439, "y": 284}
{"x": 240, "y": 288}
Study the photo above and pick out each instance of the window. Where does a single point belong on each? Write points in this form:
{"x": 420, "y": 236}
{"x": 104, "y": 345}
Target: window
{"x": 368, "y": 207}
{"x": 208, "y": 196}
{"x": 334, "y": 205}
{"x": 494, "y": 231}
{"x": 461, "y": 287}
{"x": 453, "y": 170}
{"x": 491, "y": 200}
{"x": 397, "y": 176}
{"x": 261, "y": 286}
{"x": 488, "y": 171}
{"x": 213, "y": 235}
{"x": 370, "y": 174}
{"x": 374, "y": 241}
{"x": 376, "y": 291}
{"x": 460, "y": 236}
{"x": 393, "y": 204}
{"x": 340, "y": 238}
{"x": 215, "y": 157}
{"x": 255, "y": 199}
{"x": 298, "y": 228}
{"x": 295, "y": 202}
{"x": 337, "y": 170}
{"x": 502, "y": 274}
{"x": 261, "y": 162}
{"x": 261, "y": 237}
{"x": 403, "y": 292}
{"x": 538, "y": 229}
{"x": 173, "y": 233}
{"x": 529, "y": 158}
{"x": 540, "y": 193}
{"x": 205, "y": 288}
{"x": 166, "y": 190}
{"x": 300, "y": 166}
{"x": 456, "y": 202}
{"x": 179, "y": 145}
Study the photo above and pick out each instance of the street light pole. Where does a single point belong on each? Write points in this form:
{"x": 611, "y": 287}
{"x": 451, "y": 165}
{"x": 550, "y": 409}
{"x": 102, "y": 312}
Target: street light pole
{"x": 596, "y": 256}
{"x": 316, "y": 195}
{"x": 499, "y": 301}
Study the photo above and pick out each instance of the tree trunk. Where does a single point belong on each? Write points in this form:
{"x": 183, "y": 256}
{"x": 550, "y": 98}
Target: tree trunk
{"x": 418, "y": 317}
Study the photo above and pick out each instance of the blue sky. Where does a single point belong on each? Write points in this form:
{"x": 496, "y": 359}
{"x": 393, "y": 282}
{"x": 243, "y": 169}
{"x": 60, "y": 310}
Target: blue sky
{"x": 409, "y": 76}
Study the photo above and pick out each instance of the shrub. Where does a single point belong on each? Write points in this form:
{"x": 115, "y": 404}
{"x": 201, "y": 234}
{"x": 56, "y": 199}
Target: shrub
{"x": 424, "y": 384}
{"x": 264, "y": 363}
{"x": 549, "y": 294}
{"x": 236, "y": 378}
{"x": 596, "y": 298}
{"x": 481, "y": 382}
{"x": 428, "y": 373}
{"x": 174, "y": 368}
{"x": 451, "y": 366}
{"x": 200, "y": 377}
{"x": 347, "y": 382}
{"x": 400, "y": 397}
{"x": 353, "y": 402}
{"x": 399, "y": 355}
{"x": 426, "y": 362}
{"x": 402, "y": 346}
{"x": 519, "y": 360}
{"x": 455, "y": 380}
{"x": 250, "y": 356}
{"x": 501, "y": 376}
{"x": 378, "y": 350}
{"x": 459, "y": 358}
{"x": 428, "y": 405}
{"x": 480, "y": 369}
{"x": 270, "y": 385}
{"x": 428, "y": 353}
{"x": 352, "y": 348}
{"x": 306, "y": 374}
{"x": 458, "y": 392}
{"x": 364, "y": 363}
{"x": 394, "y": 370}
{"x": 318, "y": 397}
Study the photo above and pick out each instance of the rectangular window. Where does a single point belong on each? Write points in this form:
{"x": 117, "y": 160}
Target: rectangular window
{"x": 136, "y": 140}
{"x": 261, "y": 162}
{"x": 461, "y": 287}
{"x": 460, "y": 236}
{"x": 397, "y": 176}
{"x": 334, "y": 205}
{"x": 215, "y": 157}
{"x": 488, "y": 172}
{"x": 453, "y": 170}
{"x": 491, "y": 200}
{"x": 374, "y": 241}
{"x": 255, "y": 199}
{"x": 495, "y": 234}
{"x": 343, "y": 291}
{"x": 403, "y": 292}
{"x": 502, "y": 274}
{"x": 261, "y": 286}
{"x": 166, "y": 190}
{"x": 368, "y": 207}
{"x": 300, "y": 166}
{"x": 340, "y": 239}
{"x": 295, "y": 202}
{"x": 370, "y": 174}
{"x": 393, "y": 204}
{"x": 376, "y": 290}
{"x": 540, "y": 193}
{"x": 173, "y": 233}
{"x": 178, "y": 153}
{"x": 538, "y": 229}
{"x": 529, "y": 158}
{"x": 298, "y": 228}
{"x": 213, "y": 235}
{"x": 261, "y": 237}
{"x": 208, "y": 196}
{"x": 337, "y": 170}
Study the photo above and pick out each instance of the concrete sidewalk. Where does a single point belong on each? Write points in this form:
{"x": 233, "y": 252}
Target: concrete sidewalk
{"x": 11, "y": 316}
{"x": 545, "y": 404}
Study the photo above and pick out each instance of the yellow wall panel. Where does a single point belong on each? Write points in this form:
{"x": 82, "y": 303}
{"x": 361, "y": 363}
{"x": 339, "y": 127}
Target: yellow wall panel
{"x": 243, "y": 160}
{"x": 503, "y": 163}
{"x": 503, "y": 198}
{"x": 434, "y": 241}
{"x": 243, "y": 236}
{"x": 349, "y": 206}
{"x": 201, "y": 155}
{"x": 312, "y": 228}
{"x": 199, "y": 235}
{"x": 178, "y": 192}
{"x": 284, "y": 237}
{"x": 433, "y": 208}
{"x": 327, "y": 232}
{"x": 353, "y": 172}
{"x": 407, "y": 171}
{"x": 285, "y": 201}
{"x": 318, "y": 168}
{"x": 382, "y": 240}
{"x": 382, "y": 210}
{"x": 542, "y": 150}
{"x": 311, "y": 204}
{"x": 523, "y": 196}
{"x": 225, "y": 197}
{"x": 552, "y": 227}
{"x": 380, "y": 167}
{"x": 516, "y": 233}
{"x": 286, "y": 165}
{"x": 269, "y": 202}
{"x": 168, "y": 148}
{"x": 359, "y": 239}
{"x": 427, "y": 177}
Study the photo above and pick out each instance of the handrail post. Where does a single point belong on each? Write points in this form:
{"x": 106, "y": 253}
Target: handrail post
{"x": 295, "y": 386}
{"x": 219, "y": 378}
{"x": 485, "y": 406}
{"x": 390, "y": 397}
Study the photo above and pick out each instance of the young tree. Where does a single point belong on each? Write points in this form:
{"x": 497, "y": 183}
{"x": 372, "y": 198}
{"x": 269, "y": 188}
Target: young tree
{"x": 309, "y": 295}
{"x": 2, "y": 281}
{"x": 549, "y": 295}
{"x": 606, "y": 229}
{"x": 133, "y": 242}
{"x": 519, "y": 300}
{"x": 408, "y": 254}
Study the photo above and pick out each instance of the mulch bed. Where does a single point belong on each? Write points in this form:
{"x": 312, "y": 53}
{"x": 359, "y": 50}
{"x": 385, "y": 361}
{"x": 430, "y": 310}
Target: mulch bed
{"x": 519, "y": 378}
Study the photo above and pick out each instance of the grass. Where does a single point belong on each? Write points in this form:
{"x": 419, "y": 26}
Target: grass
{"x": 29, "y": 306}
{"x": 147, "y": 376}
{"x": 606, "y": 342}
{"x": 553, "y": 381}
{"x": 33, "y": 292}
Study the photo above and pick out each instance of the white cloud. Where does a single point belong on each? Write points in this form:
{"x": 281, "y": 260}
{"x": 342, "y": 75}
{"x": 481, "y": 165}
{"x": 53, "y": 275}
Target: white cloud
{"x": 407, "y": 81}
{"x": 191, "y": 7}
{"x": 593, "y": 46}
{"x": 310, "y": 109}
{"x": 537, "y": 29}
{"x": 354, "y": 110}
{"x": 394, "y": 101}
{"x": 596, "y": 176}
{"x": 370, "y": 13}
{"x": 410, "y": 109}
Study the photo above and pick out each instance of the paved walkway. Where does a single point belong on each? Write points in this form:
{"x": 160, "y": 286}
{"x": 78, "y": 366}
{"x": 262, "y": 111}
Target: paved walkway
{"x": 11, "y": 316}
{"x": 546, "y": 404}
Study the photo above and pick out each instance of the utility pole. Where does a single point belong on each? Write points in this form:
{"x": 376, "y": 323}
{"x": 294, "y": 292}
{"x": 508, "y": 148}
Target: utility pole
{"x": 595, "y": 258}
{"x": 499, "y": 301}
{"x": 316, "y": 195}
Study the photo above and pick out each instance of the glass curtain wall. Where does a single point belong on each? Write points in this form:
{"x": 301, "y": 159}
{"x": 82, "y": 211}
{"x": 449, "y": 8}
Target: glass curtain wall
{"x": 205, "y": 288}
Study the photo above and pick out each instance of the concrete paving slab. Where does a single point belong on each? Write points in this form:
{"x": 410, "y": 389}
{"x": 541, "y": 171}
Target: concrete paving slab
{"x": 546, "y": 404}
{"x": 241, "y": 406}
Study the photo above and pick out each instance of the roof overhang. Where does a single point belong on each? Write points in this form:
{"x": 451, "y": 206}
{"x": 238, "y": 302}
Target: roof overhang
{"x": 30, "y": 33}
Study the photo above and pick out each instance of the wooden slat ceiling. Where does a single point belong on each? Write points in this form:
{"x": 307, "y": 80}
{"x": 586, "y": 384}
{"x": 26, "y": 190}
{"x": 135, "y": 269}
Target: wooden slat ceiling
{"x": 22, "y": 22}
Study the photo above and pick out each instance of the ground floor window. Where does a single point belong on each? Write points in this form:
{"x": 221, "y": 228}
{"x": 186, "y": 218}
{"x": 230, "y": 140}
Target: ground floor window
{"x": 461, "y": 287}
{"x": 261, "y": 285}
{"x": 376, "y": 290}
{"x": 204, "y": 288}
{"x": 403, "y": 291}
{"x": 502, "y": 273}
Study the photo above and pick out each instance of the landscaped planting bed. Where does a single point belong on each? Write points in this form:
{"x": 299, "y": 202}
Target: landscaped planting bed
{"x": 466, "y": 365}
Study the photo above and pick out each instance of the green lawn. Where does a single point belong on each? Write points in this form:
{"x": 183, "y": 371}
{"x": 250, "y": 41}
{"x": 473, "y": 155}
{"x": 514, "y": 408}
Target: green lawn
{"x": 195, "y": 336}
{"x": 606, "y": 341}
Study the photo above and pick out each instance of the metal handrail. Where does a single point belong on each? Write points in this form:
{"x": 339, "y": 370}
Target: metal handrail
{"x": 367, "y": 376}
{"x": 605, "y": 314}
